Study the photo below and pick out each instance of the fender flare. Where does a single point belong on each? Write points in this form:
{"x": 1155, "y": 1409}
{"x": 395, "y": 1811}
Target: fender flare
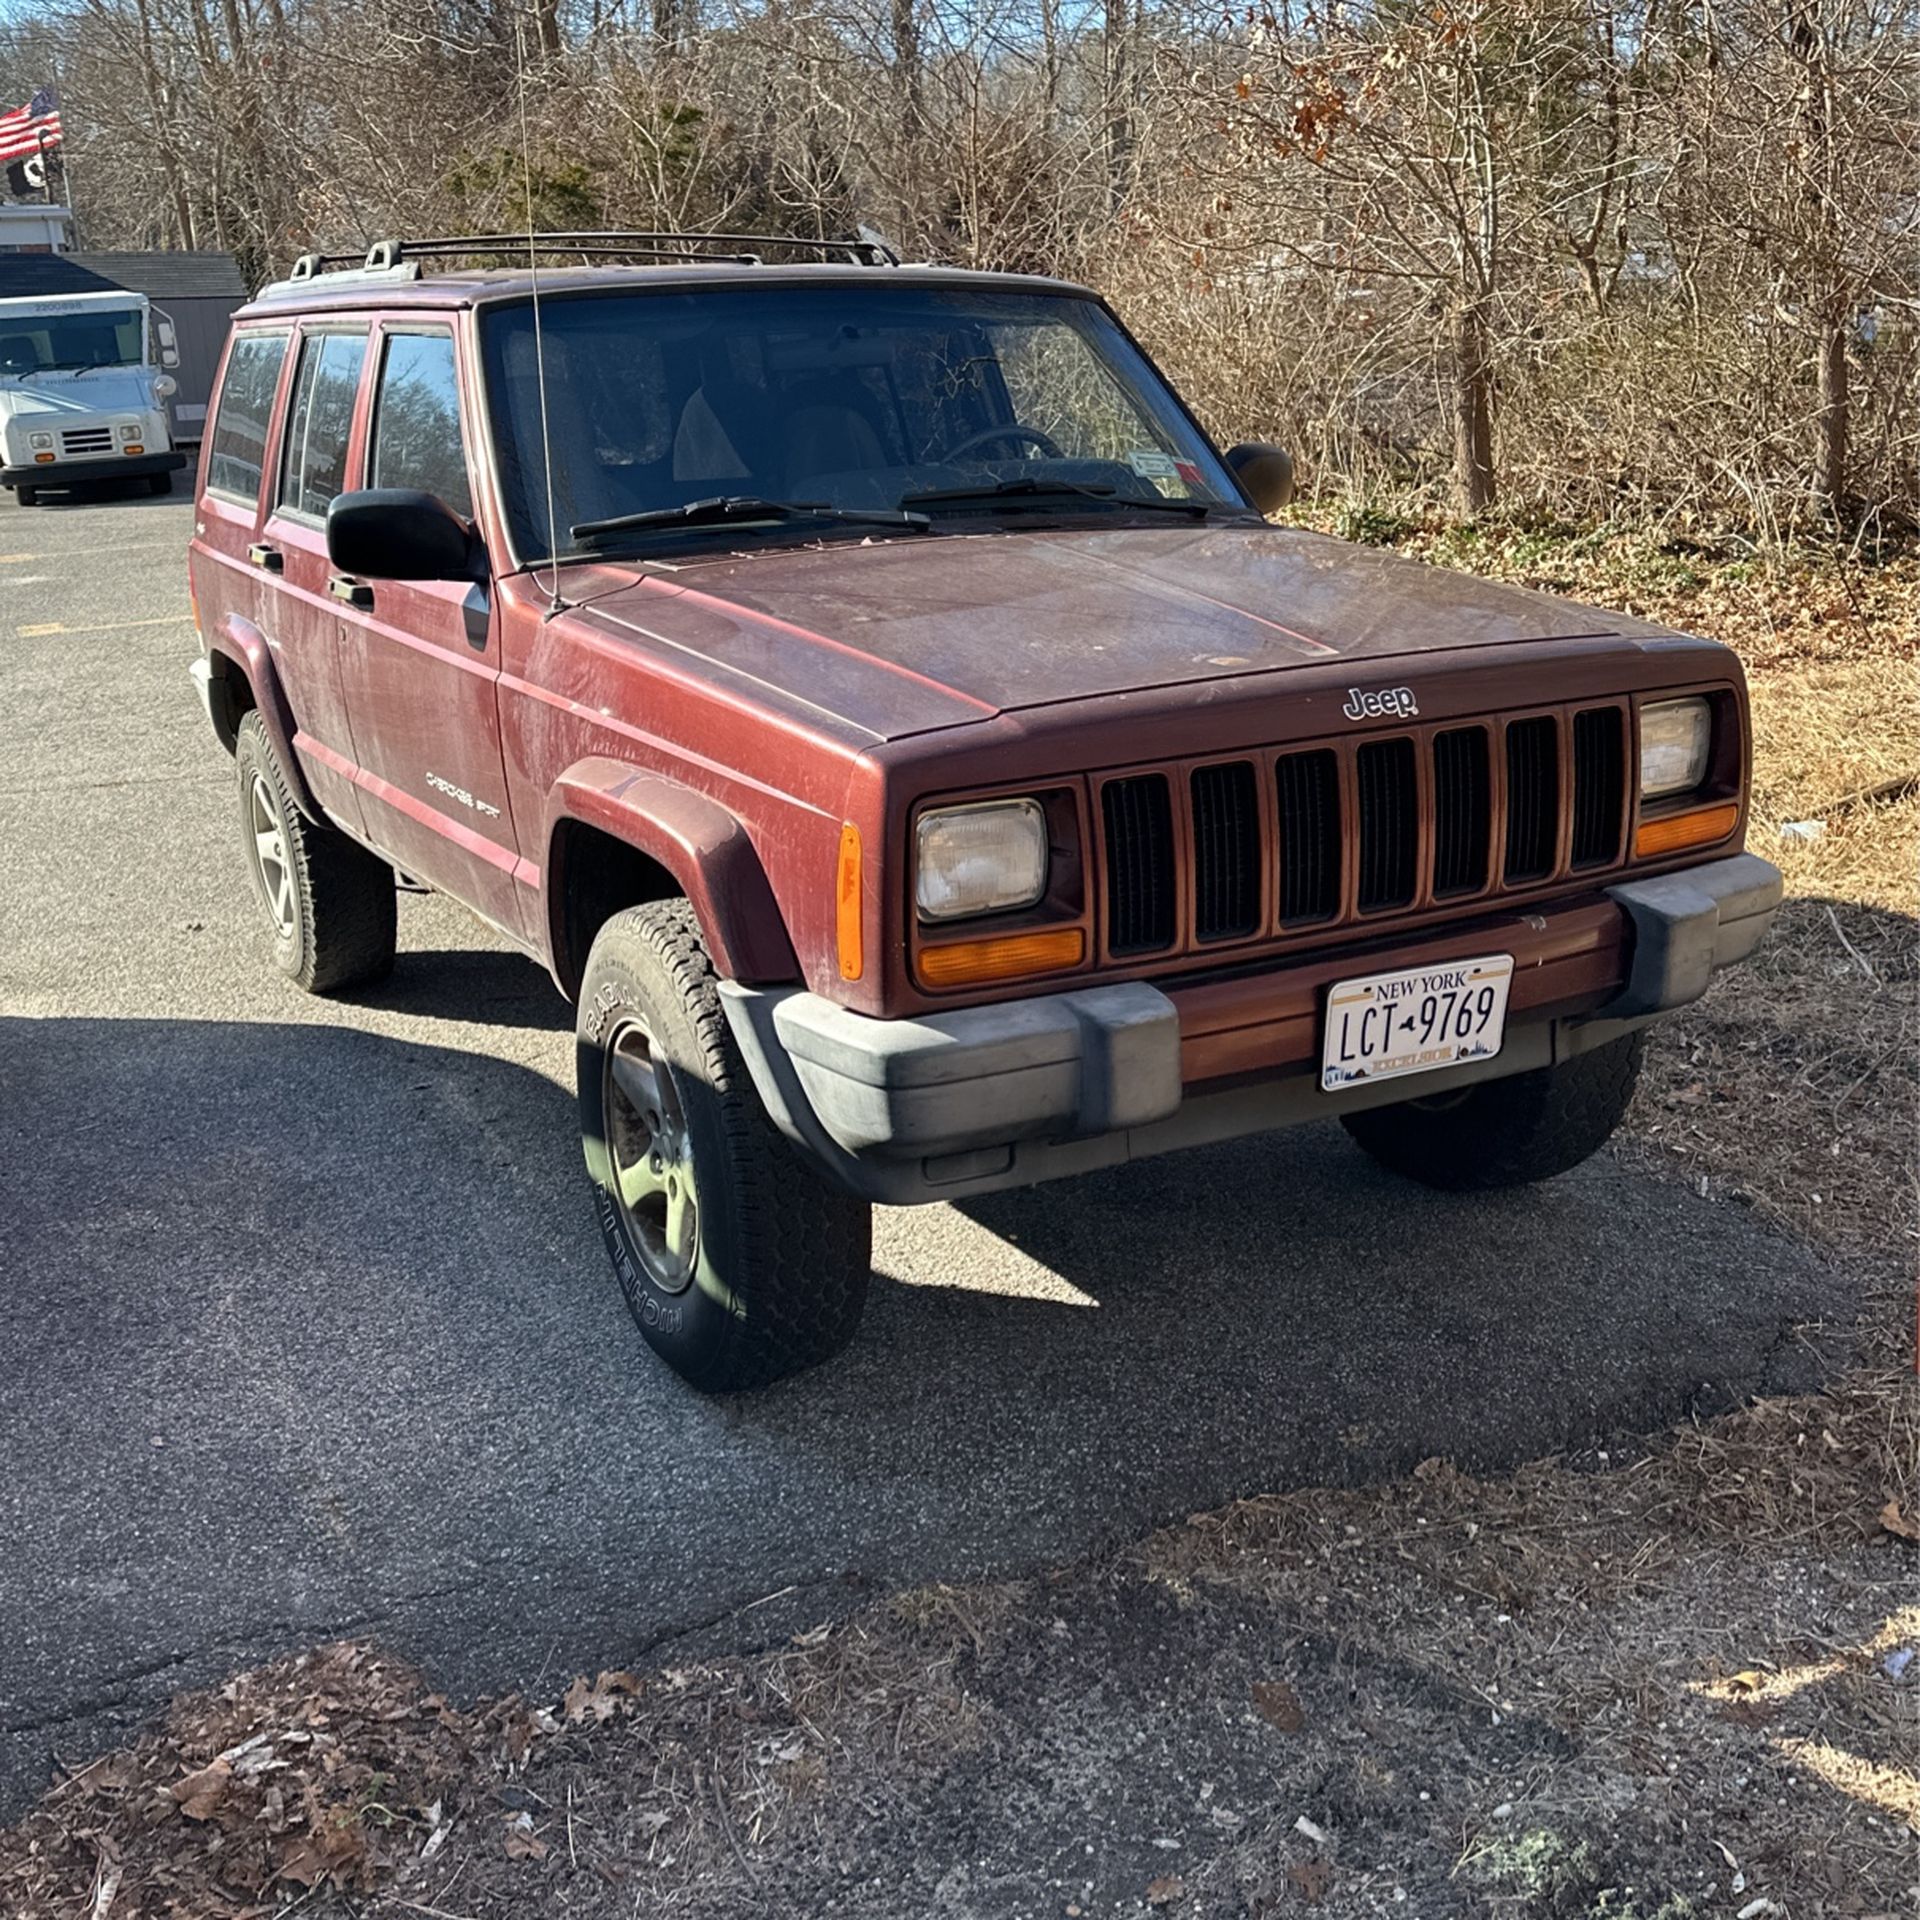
{"x": 238, "y": 649}
{"x": 695, "y": 839}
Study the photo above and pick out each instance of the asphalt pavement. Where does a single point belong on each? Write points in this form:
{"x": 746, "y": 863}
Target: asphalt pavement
{"x": 308, "y": 1330}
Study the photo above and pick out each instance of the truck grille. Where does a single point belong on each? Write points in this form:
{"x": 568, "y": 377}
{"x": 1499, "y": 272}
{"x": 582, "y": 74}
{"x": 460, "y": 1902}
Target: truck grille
{"x": 76, "y": 440}
{"x": 1226, "y": 852}
{"x": 1141, "y": 884}
{"x": 1229, "y": 851}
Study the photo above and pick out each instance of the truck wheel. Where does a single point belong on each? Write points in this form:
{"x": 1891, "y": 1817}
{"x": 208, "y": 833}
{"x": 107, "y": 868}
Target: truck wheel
{"x": 330, "y": 903}
{"x": 27, "y": 496}
{"x": 1506, "y": 1133}
{"x": 159, "y": 483}
{"x": 738, "y": 1260}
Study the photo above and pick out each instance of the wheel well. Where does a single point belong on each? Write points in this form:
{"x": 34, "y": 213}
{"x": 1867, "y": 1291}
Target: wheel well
{"x": 232, "y": 700}
{"x": 599, "y": 876}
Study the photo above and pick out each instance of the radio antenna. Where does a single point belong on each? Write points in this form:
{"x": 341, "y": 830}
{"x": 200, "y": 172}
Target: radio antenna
{"x": 555, "y": 603}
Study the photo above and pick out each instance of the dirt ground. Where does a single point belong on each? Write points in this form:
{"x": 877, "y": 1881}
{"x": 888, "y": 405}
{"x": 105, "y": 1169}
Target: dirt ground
{"x": 1681, "y": 1680}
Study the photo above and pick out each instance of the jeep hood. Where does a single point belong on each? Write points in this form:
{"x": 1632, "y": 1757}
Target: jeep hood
{"x": 904, "y": 635}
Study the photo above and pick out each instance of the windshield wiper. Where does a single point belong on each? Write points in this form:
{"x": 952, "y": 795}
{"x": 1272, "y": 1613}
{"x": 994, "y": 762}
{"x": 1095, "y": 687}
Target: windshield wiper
{"x": 725, "y": 509}
{"x": 1041, "y": 492}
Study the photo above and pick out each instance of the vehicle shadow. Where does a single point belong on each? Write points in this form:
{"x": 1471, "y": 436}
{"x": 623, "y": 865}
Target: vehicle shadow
{"x": 333, "y": 1305}
{"x": 484, "y": 986}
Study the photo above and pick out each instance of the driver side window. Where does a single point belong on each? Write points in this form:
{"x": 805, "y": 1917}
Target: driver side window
{"x": 416, "y": 420}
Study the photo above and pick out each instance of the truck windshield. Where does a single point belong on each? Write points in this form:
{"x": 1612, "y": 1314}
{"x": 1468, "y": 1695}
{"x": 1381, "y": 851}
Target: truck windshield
{"x": 43, "y": 342}
{"x": 948, "y": 402}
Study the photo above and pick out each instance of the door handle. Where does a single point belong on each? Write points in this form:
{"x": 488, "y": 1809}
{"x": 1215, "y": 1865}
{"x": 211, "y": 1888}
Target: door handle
{"x": 263, "y": 555}
{"x": 356, "y": 593}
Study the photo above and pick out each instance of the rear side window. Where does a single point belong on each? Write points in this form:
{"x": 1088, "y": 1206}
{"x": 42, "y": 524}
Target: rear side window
{"x": 237, "y": 447}
{"x": 320, "y": 420}
{"x": 416, "y": 420}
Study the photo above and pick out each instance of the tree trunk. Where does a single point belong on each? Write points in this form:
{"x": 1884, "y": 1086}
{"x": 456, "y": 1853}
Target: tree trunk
{"x": 1473, "y": 409}
{"x": 1122, "y": 86}
{"x": 1831, "y": 420}
{"x": 907, "y": 61}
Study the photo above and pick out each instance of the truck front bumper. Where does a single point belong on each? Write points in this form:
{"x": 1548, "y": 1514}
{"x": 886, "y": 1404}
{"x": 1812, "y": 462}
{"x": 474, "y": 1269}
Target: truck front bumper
{"x": 943, "y": 1105}
{"x": 75, "y": 473}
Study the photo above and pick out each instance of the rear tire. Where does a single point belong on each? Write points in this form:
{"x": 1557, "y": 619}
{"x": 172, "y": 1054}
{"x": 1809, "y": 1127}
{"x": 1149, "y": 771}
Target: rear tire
{"x": 739, "y": 1262}
{"x": 330, "y": 903}
{"x": 1507, "y": 1133}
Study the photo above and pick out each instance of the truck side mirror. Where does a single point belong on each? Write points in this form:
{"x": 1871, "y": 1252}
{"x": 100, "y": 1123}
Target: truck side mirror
{"x": 167, "y": 339}
{"x": 398, "y": 533}
{"x": 1265, "y": 471}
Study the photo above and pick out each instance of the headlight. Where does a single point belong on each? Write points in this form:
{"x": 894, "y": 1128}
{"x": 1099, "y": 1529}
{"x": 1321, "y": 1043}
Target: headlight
{"x": 40, "y": 442}
{"x": 129, "y": 431}
{"x": 1675, "y": 738}
{"x": 980, "y": 859}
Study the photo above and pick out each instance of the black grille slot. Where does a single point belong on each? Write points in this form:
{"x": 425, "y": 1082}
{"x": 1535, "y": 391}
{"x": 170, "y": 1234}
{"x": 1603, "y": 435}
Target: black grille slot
{"x": 1138, "y": 816}
{"x": 1533, "y": 799}
{"x": 1309, "y": 789}
{"x": 1226, "y": 852}
{"x": 1462, "y": 811}
{"x": 1389, "y": 824}
{"x": 1599, "y": 785}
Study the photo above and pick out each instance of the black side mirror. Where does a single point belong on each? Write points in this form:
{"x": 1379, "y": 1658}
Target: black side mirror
{"x": 1266, "y": 473}
{"x": 397, "y": 533}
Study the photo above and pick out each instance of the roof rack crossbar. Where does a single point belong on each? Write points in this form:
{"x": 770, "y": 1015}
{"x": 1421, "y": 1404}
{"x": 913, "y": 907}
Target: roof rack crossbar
{"x": 863, "y": 249}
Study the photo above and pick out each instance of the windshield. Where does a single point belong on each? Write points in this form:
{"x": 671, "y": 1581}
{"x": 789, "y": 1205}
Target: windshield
{"x": 952, "y": 403}
{"x": 93, "y": 337}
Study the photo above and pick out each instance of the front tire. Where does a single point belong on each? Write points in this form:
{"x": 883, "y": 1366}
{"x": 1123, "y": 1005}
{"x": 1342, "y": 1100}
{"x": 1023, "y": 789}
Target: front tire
{"x": 1507, "y": 1133}
{"x": 330, "y": 903}
{"x": 159, "y": 483}
{"x": 738, "y": 1261}
{"x": 27, "y": 496}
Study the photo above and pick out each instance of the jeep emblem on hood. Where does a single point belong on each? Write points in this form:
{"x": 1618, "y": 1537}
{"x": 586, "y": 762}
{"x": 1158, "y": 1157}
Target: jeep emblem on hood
{"x": 1395, "y": 702}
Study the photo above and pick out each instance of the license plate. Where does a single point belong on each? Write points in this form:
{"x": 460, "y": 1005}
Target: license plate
{"x": 1414, "y": 1020}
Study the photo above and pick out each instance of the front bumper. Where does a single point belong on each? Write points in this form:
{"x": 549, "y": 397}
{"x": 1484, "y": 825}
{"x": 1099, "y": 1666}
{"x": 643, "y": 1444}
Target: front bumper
{"x": 74, "y": 473}
{"x": 944, "y": 1105}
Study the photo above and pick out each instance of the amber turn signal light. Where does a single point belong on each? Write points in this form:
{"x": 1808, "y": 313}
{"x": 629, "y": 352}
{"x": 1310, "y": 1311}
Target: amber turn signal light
{"x": 1696, "y": 829}
{"x": 846, "y": 904}
{"x": 969, "y": 962}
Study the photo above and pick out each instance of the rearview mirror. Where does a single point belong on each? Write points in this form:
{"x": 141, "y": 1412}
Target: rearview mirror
{"x": 167, "y": 339}
{"x": 1265, "y": 471}
{"x": 398, "y": 533}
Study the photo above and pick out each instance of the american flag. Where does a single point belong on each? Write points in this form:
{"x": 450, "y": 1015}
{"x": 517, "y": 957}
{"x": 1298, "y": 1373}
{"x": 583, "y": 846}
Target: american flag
{"x": 27, "y": 129}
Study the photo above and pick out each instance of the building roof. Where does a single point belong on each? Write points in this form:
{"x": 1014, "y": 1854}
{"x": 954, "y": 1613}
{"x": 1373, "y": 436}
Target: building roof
{"x": 161, "y": 276}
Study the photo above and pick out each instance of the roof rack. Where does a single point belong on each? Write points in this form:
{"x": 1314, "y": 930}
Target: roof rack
{"x": 400, "y": 259}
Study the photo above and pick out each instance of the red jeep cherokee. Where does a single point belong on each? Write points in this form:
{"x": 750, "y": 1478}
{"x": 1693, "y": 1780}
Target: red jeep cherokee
{"x": 896, "y": 727}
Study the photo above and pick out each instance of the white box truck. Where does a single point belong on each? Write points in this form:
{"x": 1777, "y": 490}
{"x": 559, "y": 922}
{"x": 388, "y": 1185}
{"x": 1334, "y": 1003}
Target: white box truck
{"x": 83, "y": 392}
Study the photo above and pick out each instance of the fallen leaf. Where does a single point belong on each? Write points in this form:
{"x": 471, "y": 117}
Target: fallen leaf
{"x": 1164, "y": 1891}
{"x": 521, "y": 1840}
{"x": 1278, "y": 1704}
{"x": 1312, "y": 1879}
{"x": 198, "y": 1796}
{"x": 1897, "y": 1523}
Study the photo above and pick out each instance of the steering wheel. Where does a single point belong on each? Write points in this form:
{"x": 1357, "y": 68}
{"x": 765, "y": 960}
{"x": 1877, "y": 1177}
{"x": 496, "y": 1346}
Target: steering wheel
{"x": 1013, "y": 431}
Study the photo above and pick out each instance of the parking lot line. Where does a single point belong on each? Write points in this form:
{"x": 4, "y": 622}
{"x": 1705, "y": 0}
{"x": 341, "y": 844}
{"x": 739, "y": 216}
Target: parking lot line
{"x": 110, "y": 626}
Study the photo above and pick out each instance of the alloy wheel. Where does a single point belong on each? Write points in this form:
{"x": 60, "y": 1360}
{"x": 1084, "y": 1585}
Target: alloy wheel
{"x": 652, "y": 1159}
{"x": 272, "y": 864}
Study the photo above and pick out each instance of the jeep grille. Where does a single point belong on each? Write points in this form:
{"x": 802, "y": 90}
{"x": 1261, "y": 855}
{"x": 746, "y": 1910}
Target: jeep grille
{"x": 1226, "y": 852}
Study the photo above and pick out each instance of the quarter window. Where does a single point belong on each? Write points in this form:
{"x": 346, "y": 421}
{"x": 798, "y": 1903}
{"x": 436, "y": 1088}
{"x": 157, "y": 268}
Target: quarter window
{"x": 237, "y": 447}
{"x": 416, "y": 422}
{"x": 314, "y": 466}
